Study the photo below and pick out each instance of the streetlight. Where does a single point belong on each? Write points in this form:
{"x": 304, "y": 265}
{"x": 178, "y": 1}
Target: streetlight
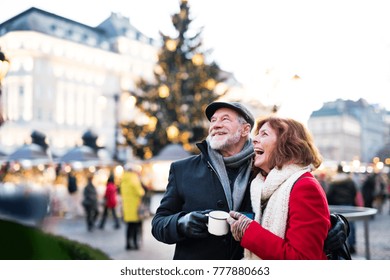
{"x": 116, "y": 132}
{"x": 4, "y": 66}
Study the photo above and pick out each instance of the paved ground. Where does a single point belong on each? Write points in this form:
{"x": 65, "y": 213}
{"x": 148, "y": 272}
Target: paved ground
{"x": 379, "y": 236}
{"x": 112, "y": 241}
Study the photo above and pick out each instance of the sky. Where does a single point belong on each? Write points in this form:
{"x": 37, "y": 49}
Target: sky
{"x": 338, "y": 48}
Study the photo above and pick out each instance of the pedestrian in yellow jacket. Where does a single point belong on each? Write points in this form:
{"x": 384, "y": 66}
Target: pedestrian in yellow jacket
{"x": 132, "y": 192}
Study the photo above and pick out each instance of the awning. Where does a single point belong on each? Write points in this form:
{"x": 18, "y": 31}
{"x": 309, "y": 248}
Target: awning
{"x": 171, "y": 152}
{"x": 84, "y": 156}
{"x": 82, "y": 153}
{"x": 33, "y": 153}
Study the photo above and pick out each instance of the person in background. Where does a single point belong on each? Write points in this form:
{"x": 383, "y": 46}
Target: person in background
{"x": 90, "y": 203}
{"x": 131, "y": 191}
{"x": 323, "y": 180}
{"x": 73, "y": 200}
{"x": 368, "y": 190}
{"x": 110, "y": 203}
{"x": 342, "y": 191}
{"x": 380, "y": 192}
{"x": 292, "y": 217}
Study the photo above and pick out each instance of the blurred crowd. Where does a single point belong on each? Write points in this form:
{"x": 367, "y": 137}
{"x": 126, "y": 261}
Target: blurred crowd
{"x": 30, "y": 195}
{"x": 372, "y": 189}
{"x": 355, "y": 189}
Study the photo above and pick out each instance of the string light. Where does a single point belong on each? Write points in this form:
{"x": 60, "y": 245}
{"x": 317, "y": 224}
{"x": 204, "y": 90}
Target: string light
{"x": 198, "y": 59}
{"x": 171, "y": 45}
{"x": 163, "y": 91}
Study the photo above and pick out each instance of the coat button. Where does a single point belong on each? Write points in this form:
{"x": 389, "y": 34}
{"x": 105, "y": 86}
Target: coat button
{"x": 220, "y": 204}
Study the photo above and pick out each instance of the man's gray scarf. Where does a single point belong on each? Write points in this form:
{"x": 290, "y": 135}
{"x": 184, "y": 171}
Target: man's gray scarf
{"x": 243, "y": 161}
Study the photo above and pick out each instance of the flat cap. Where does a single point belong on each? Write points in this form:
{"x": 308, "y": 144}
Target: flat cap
{"x": 238, "y": 107}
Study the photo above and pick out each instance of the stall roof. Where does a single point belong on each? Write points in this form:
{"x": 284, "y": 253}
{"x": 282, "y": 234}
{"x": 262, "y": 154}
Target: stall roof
{"x": 86, "y": 156}
{"x": 82, "y": 153}
{"x": 171, "y": 152}
{"x": 31, "y": 152}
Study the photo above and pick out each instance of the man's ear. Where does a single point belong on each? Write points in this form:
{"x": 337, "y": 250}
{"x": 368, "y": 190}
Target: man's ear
{"x": 247, "y": 129}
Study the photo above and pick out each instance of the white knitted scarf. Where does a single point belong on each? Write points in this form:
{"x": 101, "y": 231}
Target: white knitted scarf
{"x": 274, "y": 192}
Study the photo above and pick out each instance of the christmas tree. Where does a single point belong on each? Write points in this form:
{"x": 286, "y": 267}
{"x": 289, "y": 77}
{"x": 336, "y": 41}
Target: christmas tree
{"x": 185, "y": 83}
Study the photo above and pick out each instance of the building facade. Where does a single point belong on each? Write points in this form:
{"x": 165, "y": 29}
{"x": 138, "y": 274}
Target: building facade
{"x": 346, "y": 130}
{"x": 66, "y": 78}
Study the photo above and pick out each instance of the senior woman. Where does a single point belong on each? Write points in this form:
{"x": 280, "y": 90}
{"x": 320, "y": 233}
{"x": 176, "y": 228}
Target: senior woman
{"x": 291, "y": 211}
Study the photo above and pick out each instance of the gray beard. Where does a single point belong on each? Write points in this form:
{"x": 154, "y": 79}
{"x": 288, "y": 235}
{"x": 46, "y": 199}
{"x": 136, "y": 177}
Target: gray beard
{"x": 225, "y": 143}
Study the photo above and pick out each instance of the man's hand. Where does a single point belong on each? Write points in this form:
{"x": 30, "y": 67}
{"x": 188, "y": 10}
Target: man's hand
{"x": 338, "y": 233}
{"x": 194, "y": 224}
{"x": 238, "y": 224}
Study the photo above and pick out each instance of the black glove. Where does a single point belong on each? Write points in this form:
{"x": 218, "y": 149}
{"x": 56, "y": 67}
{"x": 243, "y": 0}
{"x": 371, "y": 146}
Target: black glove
{"x": 338, "y": 233}
{"x": 194, "y": 224}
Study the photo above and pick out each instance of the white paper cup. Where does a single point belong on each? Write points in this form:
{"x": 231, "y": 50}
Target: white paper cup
{"x": 217, "y": 224}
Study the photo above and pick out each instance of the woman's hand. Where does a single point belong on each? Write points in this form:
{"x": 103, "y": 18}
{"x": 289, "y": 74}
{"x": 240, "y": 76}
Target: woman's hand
{"x": 238, "y": 224}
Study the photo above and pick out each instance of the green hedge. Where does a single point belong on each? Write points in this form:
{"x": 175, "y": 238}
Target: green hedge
{"x": 20, "y": 242}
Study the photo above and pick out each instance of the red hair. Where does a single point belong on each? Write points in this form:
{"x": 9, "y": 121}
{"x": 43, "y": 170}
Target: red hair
{"x": 294, "y": 143}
